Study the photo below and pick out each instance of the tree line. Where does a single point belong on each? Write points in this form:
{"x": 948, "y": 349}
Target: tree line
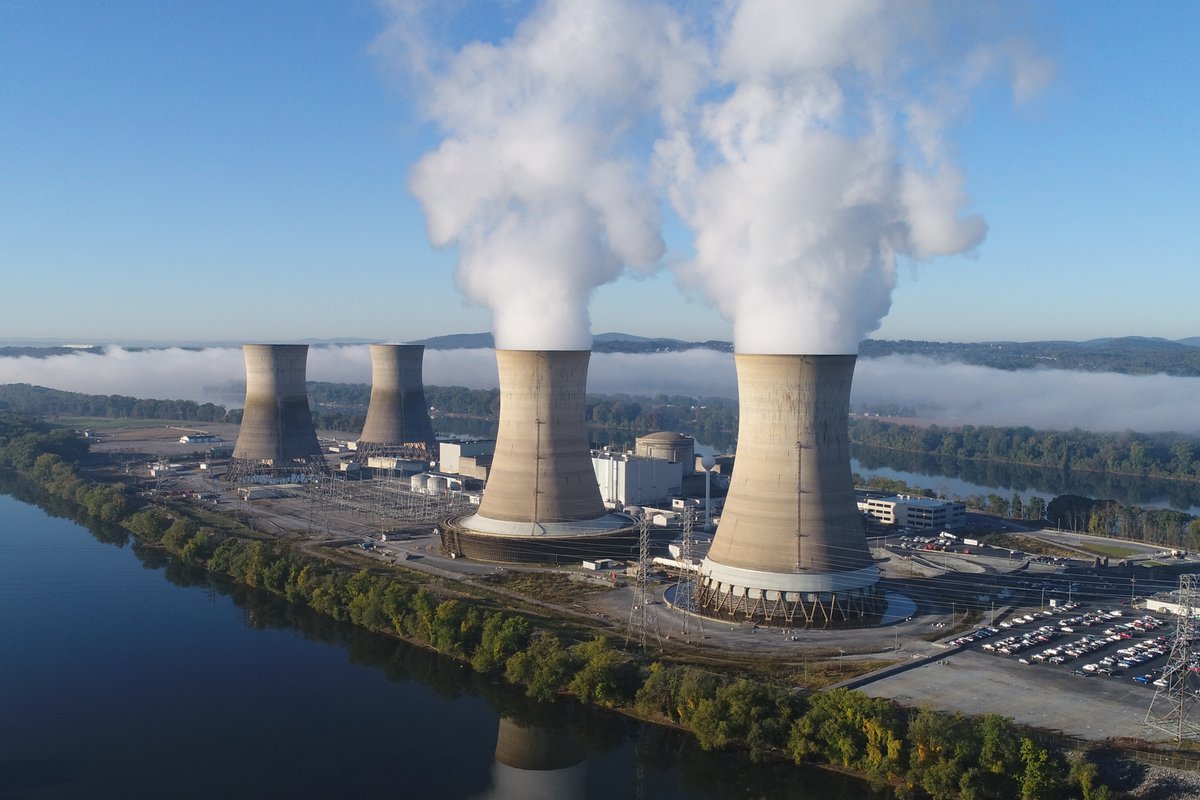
{"x": 1167, "y": 455}
{"x": 40, "y": 401}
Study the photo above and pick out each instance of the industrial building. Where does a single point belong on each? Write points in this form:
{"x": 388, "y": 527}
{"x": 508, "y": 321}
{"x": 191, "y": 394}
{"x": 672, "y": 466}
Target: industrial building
{"x": 541, "y": 502}
{"x": 471, "y": 458}
{"x": 397, "y": 423}
{"x": 276, "y": 441}
{"x": 626, "y": 479}
{"x": 918, "y": 513}
{"x": 790, "y": 548}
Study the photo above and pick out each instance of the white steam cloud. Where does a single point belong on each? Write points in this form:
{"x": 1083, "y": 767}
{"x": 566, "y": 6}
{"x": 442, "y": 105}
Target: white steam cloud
{"x": 952, "y": 394}
{"x": 819, "y": 160}
{"x": 535, "y": 181}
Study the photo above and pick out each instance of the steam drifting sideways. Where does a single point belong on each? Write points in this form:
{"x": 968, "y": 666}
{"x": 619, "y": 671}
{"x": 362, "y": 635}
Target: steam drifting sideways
{"x": 537, "y": 181}
{"x": 819, "y": 161}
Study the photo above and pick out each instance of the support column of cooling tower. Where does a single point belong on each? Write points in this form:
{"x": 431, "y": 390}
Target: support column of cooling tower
{"x": 791, "y": 549}
{"x": 541, "y": 502}
{"x": 397, "y": 423}
{"x": 276, "y": 440}
{"x": 1171, "y": 710}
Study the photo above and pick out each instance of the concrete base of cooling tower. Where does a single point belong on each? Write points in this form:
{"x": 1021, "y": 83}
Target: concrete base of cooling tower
{"x": 484, "y": 539}
{"x": 792, "y": 600}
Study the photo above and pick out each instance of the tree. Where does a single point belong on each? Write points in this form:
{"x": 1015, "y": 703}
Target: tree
{"x": 501, "y": 637}
{"x": 544, "y": 667}
{"x": 602, "y": 677}
{"x": 1041, "y": 774}
{"x": 1016, "y": 507}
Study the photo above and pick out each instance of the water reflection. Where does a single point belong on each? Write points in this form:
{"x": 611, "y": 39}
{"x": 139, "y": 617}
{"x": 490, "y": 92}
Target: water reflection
{"x": 961, "y": 477}
{"x": 534, "y": 763}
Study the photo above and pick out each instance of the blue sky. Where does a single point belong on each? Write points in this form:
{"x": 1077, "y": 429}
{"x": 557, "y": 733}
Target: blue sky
{"x": 200, "y": 171}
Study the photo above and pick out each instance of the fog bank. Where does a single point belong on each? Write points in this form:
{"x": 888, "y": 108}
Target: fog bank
{"x": 951, "y": 393}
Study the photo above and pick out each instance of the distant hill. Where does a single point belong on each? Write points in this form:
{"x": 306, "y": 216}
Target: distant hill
{"x": 1136, "y": 355}
{"x": 601, "y": 343}
{"x": 457, "y": 341}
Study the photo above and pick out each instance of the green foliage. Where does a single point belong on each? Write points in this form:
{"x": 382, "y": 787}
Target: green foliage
{"x": 852, "y": 730}
{"x": 1042, "y": 774}
{"x": 22, "y": 397}
{"x": 745, "y": 713}
{"x": 604, "y": 676}
{"x": 500, "y": 639}
{"x": 544, "y": 667}
{"x": 1166, "y": 455}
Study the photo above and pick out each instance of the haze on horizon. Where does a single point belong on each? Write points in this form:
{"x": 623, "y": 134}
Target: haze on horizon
{"x": 952, "y": 394}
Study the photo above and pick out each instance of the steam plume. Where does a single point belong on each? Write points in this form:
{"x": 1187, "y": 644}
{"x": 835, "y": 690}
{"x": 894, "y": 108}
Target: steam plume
{"x": 820, "y": 161}
{"x": 535, "y": 181}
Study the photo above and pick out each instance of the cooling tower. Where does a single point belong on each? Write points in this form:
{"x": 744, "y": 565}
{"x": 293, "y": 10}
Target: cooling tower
{"x": 541, "y": 502}
{"x": 790, "y": 548}
{"x": 276, "y": 437}
{"x": 397, "y": 418}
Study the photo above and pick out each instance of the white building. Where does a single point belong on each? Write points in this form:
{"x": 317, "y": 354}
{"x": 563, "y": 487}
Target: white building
{"x": 467, "y": 457}
{"x": 629, "y": 480}
{"x": 919, "y": 513}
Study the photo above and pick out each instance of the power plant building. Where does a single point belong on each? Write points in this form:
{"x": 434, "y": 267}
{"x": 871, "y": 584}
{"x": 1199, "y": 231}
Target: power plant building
{"x": 276, "y": 441}
{"x": 397, "y": 421}
{"x": 541, "y": 502}
{"x": 471, "y": 459}
{"x": 630, "y": 480}
{"x": 669, "y": 446}
{"x": 791, "y": 548}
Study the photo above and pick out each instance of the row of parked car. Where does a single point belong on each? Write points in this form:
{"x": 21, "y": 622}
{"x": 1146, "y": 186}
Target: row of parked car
{"x": 1127, "y": 658}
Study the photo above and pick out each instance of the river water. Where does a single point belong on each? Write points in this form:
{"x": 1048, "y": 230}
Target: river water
{"x": 123, "y": 674}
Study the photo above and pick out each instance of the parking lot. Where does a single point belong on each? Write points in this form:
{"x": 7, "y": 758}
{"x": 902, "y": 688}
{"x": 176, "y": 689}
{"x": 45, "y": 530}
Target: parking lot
{"x": 1089, "y": 671}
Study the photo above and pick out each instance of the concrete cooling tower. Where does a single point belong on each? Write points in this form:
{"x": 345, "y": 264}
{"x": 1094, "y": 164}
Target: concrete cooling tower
{"x": 790, "y": 548}
{"x": 541, "y": 502}
{"x": 276, "y": 440}
{"x": 398, "y": 417}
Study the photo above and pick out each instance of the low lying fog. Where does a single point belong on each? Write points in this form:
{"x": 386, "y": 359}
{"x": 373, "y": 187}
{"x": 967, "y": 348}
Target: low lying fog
{"x": 952, "y": 393}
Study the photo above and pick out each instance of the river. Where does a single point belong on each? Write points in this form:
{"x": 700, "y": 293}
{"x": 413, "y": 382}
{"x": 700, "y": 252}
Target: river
{"x": 123, "y": 674}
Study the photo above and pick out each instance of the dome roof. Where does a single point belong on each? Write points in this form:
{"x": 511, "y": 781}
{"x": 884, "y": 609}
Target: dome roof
{"x": 664, "y": 437}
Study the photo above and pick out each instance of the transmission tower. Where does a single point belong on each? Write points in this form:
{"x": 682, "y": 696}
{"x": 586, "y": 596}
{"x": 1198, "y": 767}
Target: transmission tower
{"x": 1170, "y": 708}
{"x": 685, "y": 588}
{"x": 643, "y": 621}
